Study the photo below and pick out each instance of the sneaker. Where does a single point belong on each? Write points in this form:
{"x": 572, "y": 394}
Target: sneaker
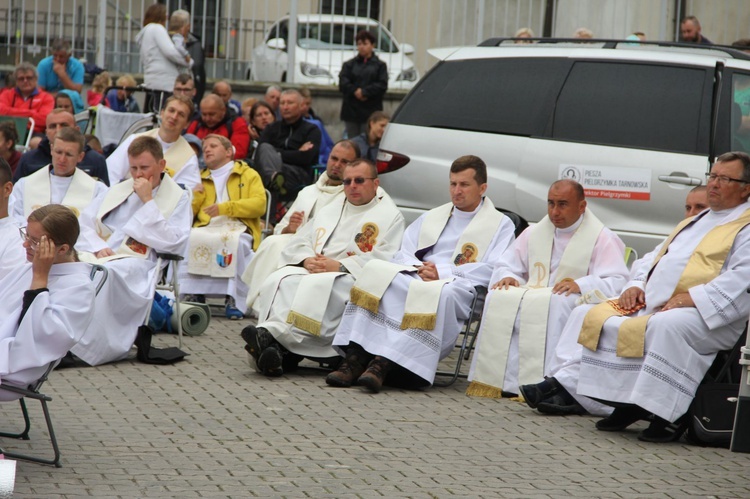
{"x": 231, "y": 310}
{"x": 194, "y": 298}
{"x": 269, "y": 362}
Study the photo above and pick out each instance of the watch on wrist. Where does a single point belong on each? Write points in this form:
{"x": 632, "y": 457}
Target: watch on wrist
{"x": 342, "y": 268}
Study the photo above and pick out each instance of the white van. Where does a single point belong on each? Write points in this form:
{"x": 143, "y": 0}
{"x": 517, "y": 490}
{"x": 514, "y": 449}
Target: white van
{"x": 637, "y": 125}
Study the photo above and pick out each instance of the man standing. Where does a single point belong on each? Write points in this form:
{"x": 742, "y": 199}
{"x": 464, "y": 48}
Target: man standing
{"x": 407, "y": 313}
{"x": 182, "y": 163}
{"x": 216, "y": 119}
{"x": 142, "y": 215}
{"x": 363, "y": 81}
{"x": 60, "y": 70}
{"x": 302, "y": 302}
{"x": 288, "y": 148}
{"x": 647, "y": 351}
{"x": 227, "y": 207}
{"x": 690, "y": 31}
{"x": 27, "y": 100}
{"x": 12, "y": 254}
{"x": 92, "y": 162}
{"x": 309, "y": 201}
{"x": 569, "y": 254}
{"x": 60, "y": 182}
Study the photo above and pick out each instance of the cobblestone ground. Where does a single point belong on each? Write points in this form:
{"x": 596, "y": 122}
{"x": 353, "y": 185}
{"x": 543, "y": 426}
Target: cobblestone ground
{"x": 212, "y": 427}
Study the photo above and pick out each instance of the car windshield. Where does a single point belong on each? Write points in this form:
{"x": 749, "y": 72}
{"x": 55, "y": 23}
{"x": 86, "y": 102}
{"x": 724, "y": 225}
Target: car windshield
{"x": 330, "y": 36}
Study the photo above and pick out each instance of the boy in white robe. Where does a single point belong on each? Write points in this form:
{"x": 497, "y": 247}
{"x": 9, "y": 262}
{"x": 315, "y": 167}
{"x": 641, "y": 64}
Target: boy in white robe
{"x": 698, "y": 310}
{"x": 376, "y": 342}
{"x": 139, "y": 217}
{"x": 47, "y": 305}
{"x": 62, "y": 182}
{"x": 182, "y": 163}
{"x": 302, "y": 302}
{"x": 595, "y": 262}
{"x": 12, "y": 254}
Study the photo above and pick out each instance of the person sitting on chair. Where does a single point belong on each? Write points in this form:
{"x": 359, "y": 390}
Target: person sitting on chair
{"x": 46, "y": 306}
{"x": 216, "y": 119}
{"x": 181, "y": 161}
{"x": 227, "y": 207}
{"x": 302, "y": 302}
{"x": 405, "y": 315}
{"x": 140, "y": 216}
{"x": 61, "y": 182}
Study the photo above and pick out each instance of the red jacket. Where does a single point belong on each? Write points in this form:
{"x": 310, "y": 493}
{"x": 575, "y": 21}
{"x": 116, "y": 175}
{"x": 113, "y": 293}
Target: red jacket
{"x": 233, "y": 128}
{"x": 37, "y": 106}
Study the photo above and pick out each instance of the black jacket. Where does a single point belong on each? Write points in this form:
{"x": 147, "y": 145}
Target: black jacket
{"x": 287, "y": 139}
{"x": 371, "y": 76}
{"x": 92, "y": 163}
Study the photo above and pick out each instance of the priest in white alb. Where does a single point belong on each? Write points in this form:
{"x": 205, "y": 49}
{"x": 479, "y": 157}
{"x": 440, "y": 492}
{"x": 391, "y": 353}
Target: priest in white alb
{"x": 405, "y": 315}
{"x": 227, "y": 207}
{"x": 62, "y": 182}
{"x": 182, "y": 163}
{"x": 310, "y": 199}
{"x": 12, "y": 254}
{"x": 140, "y": 216}
{"x": 647, "y": 351}
{"x": 568, "y": 256}
{"x": 302, "y": 302}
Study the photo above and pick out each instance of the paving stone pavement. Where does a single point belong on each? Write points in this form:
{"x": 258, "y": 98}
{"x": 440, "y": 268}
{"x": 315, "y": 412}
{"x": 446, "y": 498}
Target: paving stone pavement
{"x": 212, "y": 427}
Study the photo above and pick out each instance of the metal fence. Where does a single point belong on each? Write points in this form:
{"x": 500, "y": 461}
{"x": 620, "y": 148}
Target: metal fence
{"x": 104, "y": 31}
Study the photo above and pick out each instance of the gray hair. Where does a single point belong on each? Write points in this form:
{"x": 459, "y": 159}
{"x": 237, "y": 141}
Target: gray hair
{"x": 60, "y": 44}
{"x": 273, "y": 87}
{"x": 25, "y": 67}
{"x": 740, "y": 156}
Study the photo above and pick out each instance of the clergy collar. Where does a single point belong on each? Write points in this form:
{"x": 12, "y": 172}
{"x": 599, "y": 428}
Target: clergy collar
{"x": 572, "y": 228}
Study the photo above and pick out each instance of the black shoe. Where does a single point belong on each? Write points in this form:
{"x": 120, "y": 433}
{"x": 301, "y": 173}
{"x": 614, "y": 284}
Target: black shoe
{"x": 561, "y": 404}
{"x": 194, "y": 298}
{"x": 662, "y": 431}
{"x": 621, "y": 418}
{"x": 257, "y": 340}
{"x": 533, "y": 394}
{"x": 270, "y": 362}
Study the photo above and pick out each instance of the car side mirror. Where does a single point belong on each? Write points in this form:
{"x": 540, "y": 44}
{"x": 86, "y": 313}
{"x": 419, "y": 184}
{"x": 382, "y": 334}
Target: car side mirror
{"x": 277, "y": 43}
{"x": 408, "y": 48}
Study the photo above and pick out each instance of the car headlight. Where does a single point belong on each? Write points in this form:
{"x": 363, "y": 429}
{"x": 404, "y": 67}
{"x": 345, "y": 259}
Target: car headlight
{"x": 314, "y": 71}
{"x": 408, "y": 75}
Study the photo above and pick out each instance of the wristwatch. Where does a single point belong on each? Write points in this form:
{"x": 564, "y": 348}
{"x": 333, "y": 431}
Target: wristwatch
{"x": 342, "y": 268}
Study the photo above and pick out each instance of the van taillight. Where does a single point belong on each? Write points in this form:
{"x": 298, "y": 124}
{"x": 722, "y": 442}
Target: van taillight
{"x": 390, "y": 161}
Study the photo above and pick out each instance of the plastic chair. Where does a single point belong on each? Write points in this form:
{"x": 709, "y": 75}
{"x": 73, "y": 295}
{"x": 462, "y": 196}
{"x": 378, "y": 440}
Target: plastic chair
{"x": 33, "y": 392}
{"x": 24, "y": 127}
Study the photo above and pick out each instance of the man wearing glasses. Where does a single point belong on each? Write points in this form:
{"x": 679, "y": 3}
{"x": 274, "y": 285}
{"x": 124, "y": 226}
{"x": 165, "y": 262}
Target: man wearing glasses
{"x": 301, "y": 303}
{"x": 647, "y": 351}
{"x": 310, "y": 200}
{"x": 27, "y": 100}
{"x": 185, "y": 85}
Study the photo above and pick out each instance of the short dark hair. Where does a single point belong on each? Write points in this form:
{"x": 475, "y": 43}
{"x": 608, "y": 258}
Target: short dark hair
{"x": 578, "y": 188}
{"x": 370, "y": 165}
{"x": 744, "y": 158}
{"x": 9, "y": 132}
{"x": 349, "y": 144}
{"x": 6, "y": 174}
{"x": 692, "y": 19}
{"x": 258, "y": 105}
{"x": 146, "y": 144}
{"x": 72, "y": 135}
{"x": 363, "y": 35}
{"x": 184, "y": 78}
{"x": 471, "y": 162}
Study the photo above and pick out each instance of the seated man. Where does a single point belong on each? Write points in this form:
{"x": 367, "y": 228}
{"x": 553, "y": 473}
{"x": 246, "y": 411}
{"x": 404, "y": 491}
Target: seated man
{"x": 696, "y": 201}
{"x": 60, "y": 70}
{"x": 326, "y": 142}
{"x": 92, "y": 162}
{"x": 288, "y": 148}
{"x": 139, "y": 216}
{"x": 8, "y": 141}
{"x": 27, "y": 100}
{"x": 407, "y": 313}
{"x": 310, "y": 200}
{"x": 182, "y": 163}
{"x": 688, "y": 304}
{"x": 215, "y": 119}
{"x": 227, "y": 207}
{"x": 567, "y": 255}
{"x": 59, "y": 183}
{"x": 224, "y": 90}
{"x": 12, "y": 254}
{"x": 302, "y": 302}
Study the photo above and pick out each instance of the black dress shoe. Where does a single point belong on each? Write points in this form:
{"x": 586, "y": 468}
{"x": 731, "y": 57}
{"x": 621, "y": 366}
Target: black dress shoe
{"x": 270, "y": 362}
{"x": 621, "y": 418}
{"x": 661, "y": 431}
{"x": 533, "y": 394}
{"x": 561, "y": 404}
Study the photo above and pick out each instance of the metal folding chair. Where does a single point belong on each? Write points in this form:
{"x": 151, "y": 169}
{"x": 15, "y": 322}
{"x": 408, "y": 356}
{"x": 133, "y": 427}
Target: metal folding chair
{"x": 267, "y": 229}
{"x": 33, "y": 392}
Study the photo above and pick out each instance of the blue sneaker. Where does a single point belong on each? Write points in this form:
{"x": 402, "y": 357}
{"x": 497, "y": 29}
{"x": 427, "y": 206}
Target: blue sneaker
{"x": 231, "y": 310}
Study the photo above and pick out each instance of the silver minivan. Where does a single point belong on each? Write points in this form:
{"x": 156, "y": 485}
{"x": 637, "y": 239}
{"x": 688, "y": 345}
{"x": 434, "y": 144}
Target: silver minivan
{"x": 637, "y": 125}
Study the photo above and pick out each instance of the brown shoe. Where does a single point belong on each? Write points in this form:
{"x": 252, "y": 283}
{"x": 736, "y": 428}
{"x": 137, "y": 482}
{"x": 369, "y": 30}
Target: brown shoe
{"x": 375, "y": 374}
{"x": 349, "y": 370}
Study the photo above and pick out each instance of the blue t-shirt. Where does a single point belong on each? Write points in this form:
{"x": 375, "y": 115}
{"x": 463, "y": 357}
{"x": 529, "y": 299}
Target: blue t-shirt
{"x": 49, "y": 81}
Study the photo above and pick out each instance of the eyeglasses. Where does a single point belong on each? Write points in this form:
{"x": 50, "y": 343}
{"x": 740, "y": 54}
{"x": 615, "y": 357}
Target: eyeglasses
{"x": 25, "y": 78}
{"x": 723, "y": 179}
{"x": 25, "y": 236}
{"x": 182, "y": 90}
{"x": 358, "y": 180}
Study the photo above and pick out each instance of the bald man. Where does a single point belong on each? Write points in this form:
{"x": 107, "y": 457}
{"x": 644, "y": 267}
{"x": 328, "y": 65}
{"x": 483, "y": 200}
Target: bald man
{"x": 224, "y": 90}
{"x": 215, "y": 119}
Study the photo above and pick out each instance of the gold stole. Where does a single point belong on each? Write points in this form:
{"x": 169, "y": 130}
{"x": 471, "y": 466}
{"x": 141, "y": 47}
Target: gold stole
{"x": 703, "y": 266}
{"x": 178, "y": 153}
{"x": 37, "y": 191}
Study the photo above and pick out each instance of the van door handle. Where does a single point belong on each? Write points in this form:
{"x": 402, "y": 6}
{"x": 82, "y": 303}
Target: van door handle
{"x": 680, "y": 179}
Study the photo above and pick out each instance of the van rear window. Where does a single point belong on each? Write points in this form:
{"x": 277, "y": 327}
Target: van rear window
{"x": 508, "y": 96}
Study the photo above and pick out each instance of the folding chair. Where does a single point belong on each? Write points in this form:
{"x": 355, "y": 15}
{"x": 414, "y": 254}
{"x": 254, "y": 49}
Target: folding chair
{"x": 468, "y": 336}
{"x": 166, "y": 280}
{"x": 267, "y": 229}
{"x": 32, "y": 392}
{"x": 24, "y": 127}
